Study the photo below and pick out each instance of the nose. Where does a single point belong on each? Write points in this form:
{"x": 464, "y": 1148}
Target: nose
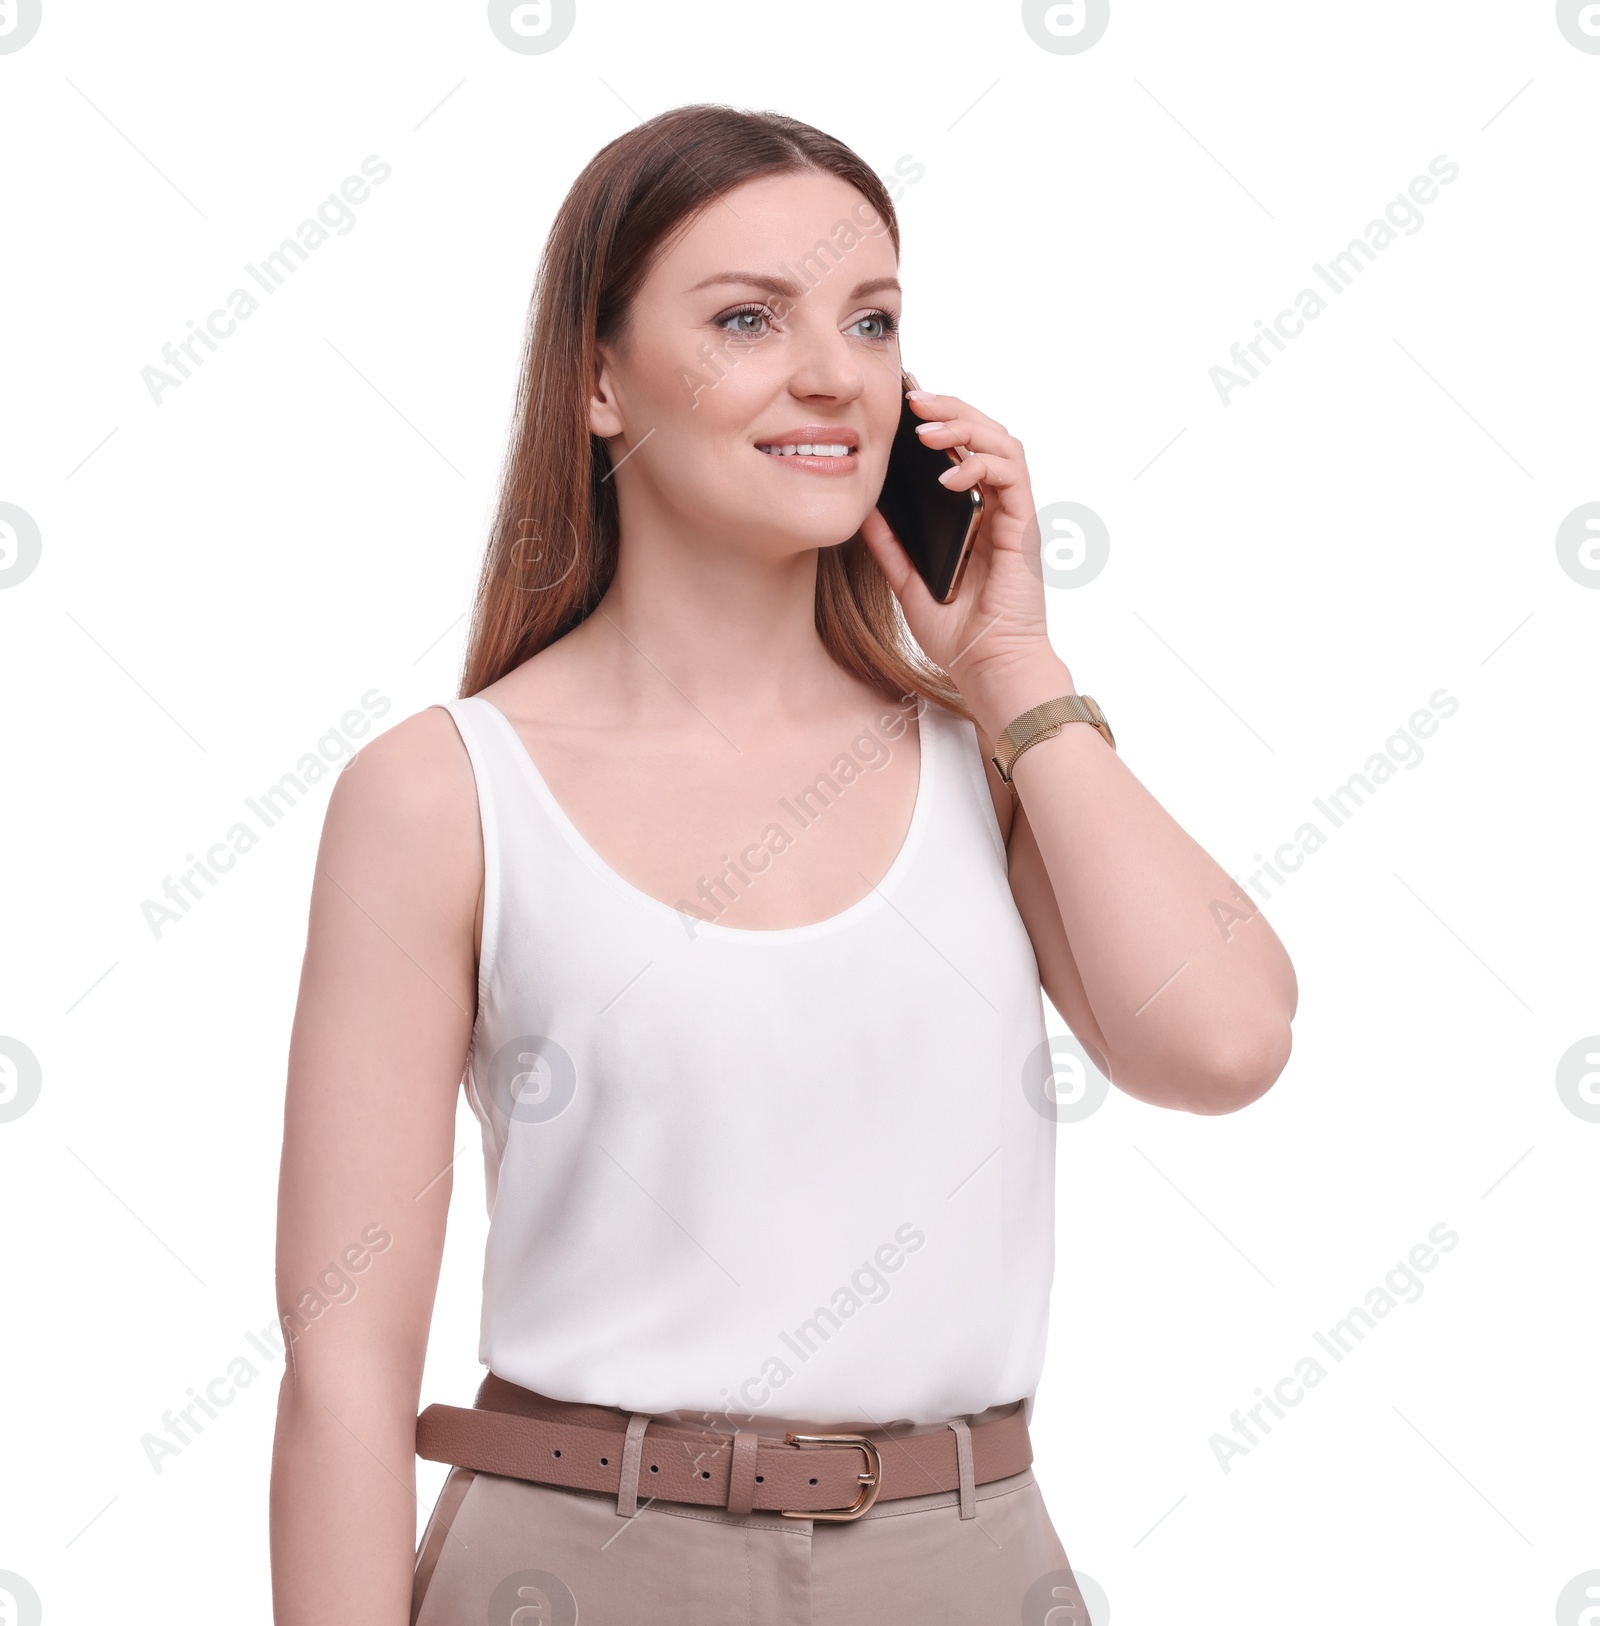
{"x": 826, "y": 364}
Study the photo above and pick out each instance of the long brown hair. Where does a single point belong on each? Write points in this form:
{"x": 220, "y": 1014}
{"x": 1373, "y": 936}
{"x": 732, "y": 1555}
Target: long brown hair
{"x": 552, "y": 551}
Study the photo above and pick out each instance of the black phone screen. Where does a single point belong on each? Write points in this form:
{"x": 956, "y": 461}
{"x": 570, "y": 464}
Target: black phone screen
{"x": 933, "y": 524}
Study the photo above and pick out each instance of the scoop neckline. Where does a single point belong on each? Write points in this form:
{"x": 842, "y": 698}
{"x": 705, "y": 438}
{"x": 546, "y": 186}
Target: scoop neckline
{"x": 858, "y": 910}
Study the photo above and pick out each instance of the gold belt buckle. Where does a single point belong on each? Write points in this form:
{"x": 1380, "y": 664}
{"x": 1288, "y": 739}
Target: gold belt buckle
{"x": 870, "y": 1479}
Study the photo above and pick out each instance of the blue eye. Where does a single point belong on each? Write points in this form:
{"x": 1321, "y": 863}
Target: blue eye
{"x": 889, "y": 325}
{"x": 745, "y": 310}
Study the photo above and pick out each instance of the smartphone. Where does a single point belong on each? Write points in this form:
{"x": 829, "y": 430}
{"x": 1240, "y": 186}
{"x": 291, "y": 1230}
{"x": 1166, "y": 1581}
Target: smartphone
{"x": 935, "y": 525}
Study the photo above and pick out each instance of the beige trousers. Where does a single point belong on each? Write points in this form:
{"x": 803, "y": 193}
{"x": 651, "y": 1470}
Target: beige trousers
{"x": 505, "y": 1552}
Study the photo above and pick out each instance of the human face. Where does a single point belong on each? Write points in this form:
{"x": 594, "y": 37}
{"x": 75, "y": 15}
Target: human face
{"x": 772, "y": 319}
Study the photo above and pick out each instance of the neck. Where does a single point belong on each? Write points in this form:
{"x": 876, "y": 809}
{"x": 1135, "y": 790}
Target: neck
{"x": 719, "y": 628}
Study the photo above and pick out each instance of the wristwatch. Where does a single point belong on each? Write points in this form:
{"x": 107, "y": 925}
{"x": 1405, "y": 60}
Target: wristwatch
{"x": 1044, "y": 723}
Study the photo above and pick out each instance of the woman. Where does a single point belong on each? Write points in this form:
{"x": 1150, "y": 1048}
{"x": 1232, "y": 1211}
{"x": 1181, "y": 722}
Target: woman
{"x": 711, "y": 882}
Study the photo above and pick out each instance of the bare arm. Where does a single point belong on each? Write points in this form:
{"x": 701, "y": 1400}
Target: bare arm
{"x": 1169, "y": 976}
{"x": 1172, "y": 980}
{"x": 387, "y": 998}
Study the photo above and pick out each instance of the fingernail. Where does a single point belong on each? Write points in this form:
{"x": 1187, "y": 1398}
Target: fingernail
{"x": 948, "y": 475}
{"x": 919, "y": 395}
{"x": 923, "y": 428}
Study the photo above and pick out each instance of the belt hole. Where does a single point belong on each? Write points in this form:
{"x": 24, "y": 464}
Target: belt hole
{"x": 705, "y": 1473}
{"x": 605, "y": 1461}
{"x": 761, "y": 1479}
{"x": 555, "y": 1453}
{"x": 654, "y": 1469}
{"x": 813, "y": 1482}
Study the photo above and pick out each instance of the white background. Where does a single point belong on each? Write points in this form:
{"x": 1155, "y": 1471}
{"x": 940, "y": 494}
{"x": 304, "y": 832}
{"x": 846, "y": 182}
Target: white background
{"x": 1290, "y": 578}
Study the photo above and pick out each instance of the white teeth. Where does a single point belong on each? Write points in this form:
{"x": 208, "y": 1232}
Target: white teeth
{"x": 819, "y": 450}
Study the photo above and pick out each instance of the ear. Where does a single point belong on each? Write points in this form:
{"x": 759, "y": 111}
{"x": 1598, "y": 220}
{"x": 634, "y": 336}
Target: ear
{"x": 605, "y": 418}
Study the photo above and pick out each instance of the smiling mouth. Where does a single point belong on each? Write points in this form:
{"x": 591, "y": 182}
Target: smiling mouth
{"x": 817, "y": 449}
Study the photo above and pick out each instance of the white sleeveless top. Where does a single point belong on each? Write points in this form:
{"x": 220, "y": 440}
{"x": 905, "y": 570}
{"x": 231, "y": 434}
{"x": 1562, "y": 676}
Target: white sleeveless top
{"x": 792, "y": 1174}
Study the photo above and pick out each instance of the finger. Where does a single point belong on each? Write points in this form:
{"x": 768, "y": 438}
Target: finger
{"x": 977, "y": 435}
{"x": 1008, "y": 495}
{"x": 1002, "y": 473}
{"x": 928, "y": 405}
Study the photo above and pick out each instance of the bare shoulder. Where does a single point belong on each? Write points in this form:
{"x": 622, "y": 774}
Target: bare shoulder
{"x": 417, "y": 772}
{"x": 406, "y": 804}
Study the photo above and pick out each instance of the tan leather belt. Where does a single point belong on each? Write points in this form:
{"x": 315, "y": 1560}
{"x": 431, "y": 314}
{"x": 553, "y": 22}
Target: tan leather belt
{"x": 523, "y": 1435}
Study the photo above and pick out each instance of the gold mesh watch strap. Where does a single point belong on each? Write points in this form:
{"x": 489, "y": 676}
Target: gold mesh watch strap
{"x": 1044, "y": 723}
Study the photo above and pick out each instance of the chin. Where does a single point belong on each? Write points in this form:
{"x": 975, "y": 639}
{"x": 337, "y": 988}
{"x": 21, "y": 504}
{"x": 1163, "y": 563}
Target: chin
{"x": 800, "y": 533}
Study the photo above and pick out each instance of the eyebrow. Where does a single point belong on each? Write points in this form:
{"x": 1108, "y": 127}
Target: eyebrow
{"x": 781, "y": 285}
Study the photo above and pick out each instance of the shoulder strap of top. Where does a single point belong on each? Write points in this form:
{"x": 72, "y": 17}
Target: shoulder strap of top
{"x": 522, "y": 827}
{"x": 491, "y": 769}
{"x": 973, "y": 780}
